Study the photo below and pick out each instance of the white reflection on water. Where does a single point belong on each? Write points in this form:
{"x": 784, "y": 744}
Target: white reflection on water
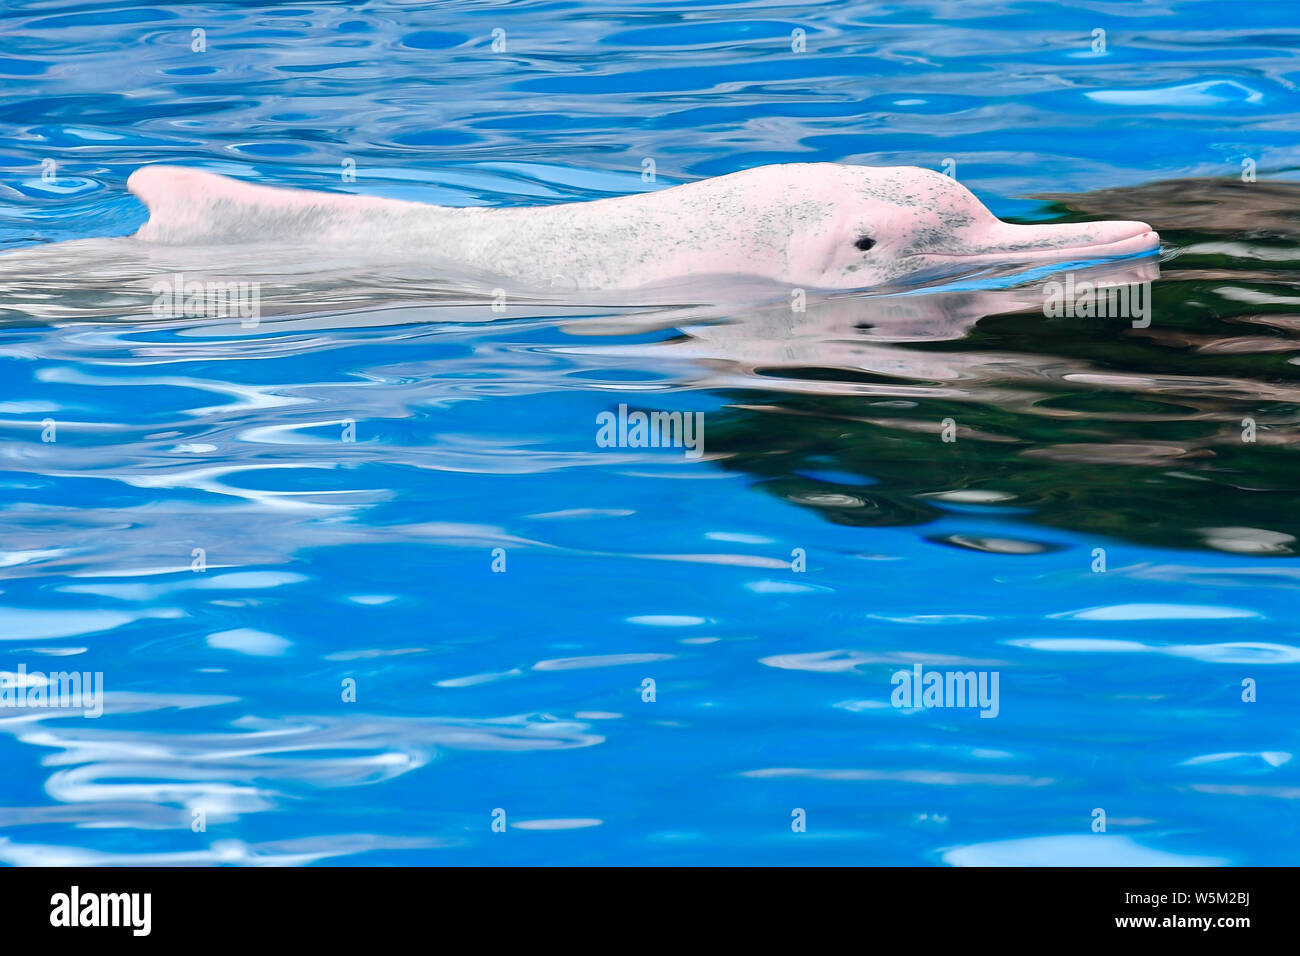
{"x": 1093, "y": 849}
{"x": 115, "y": 776}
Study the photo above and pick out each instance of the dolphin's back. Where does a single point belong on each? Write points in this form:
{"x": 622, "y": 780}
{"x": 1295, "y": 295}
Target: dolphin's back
{"x": 188, "y": 206}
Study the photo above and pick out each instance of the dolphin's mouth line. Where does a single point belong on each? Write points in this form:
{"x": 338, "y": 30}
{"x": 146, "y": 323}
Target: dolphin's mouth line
{"x": 930, "y": 268}
{"x": 1148, "y": 240}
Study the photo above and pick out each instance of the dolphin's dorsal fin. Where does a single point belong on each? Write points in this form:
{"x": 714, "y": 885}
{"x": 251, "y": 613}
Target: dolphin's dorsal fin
{"x": 193, "y": 206}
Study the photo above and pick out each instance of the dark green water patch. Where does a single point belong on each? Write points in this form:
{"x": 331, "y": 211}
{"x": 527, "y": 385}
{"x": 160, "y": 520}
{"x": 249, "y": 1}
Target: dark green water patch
{"x": 1182, "y": 433}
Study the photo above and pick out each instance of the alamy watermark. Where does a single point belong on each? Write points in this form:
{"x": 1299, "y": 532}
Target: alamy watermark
{"x": 174, "y": 298}
{"x": 59, "y": 690}
{"x": 75, "y": 908}
{"x": 652, "y": 430}
{"x": 1101, "y": 300}
{"x": 919, "y": 688}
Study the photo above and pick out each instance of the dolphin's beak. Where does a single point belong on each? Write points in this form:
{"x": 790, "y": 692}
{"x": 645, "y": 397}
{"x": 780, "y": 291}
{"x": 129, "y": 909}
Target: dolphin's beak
{"x": 1055, "y": 243}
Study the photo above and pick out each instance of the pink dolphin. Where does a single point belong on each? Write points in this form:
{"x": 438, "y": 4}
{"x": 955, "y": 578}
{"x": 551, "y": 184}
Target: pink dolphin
{"x": 822, "y": 226}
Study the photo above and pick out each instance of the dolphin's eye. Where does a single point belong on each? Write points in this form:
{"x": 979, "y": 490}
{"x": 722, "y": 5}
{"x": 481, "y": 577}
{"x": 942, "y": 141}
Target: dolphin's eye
{"x": 865, "y": 242}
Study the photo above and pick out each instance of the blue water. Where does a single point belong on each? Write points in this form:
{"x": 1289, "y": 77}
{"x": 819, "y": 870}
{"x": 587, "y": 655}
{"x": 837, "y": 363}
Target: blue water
{"x": 202, "y": 533}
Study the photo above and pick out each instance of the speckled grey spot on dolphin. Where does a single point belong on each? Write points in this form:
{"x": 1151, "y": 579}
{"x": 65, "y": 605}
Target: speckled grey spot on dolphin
{"x": 822, "y": 226}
